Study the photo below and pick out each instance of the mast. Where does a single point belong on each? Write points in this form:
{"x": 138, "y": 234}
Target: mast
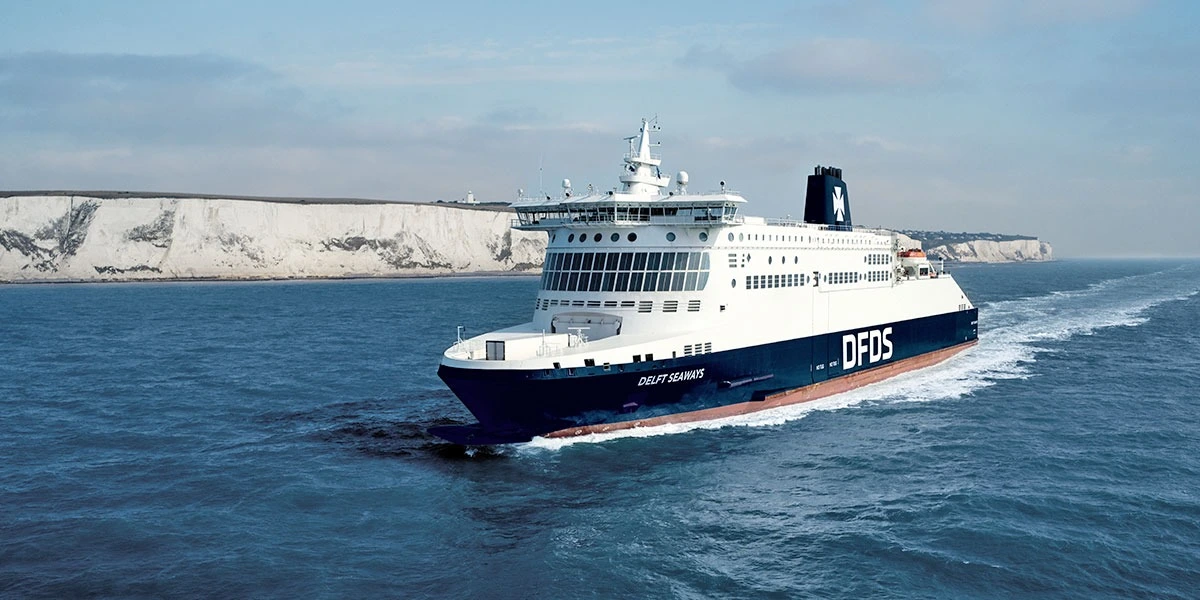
{"x": 642, "y": 175}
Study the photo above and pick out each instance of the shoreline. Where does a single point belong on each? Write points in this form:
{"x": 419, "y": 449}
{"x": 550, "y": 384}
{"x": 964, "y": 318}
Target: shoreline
{"x": 464, "y": 275}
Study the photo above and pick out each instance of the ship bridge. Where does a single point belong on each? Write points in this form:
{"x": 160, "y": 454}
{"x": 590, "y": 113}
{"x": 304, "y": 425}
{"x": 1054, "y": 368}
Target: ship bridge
{"x": 642, "y": 199}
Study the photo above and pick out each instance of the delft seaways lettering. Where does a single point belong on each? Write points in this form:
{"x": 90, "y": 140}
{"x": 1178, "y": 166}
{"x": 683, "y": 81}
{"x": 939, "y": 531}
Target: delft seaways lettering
{"x": 672, "y": 377}
{"x": 866, "y": 347}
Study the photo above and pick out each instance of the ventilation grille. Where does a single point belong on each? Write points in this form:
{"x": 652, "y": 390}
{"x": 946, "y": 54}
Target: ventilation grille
{"x": 671, "y": 306}
{"x": 645, "y": 306}
{"x": 693, "y": 306}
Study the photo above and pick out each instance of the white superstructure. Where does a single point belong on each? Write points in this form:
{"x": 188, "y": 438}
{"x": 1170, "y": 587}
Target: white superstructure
{"x": 646, "y": 272}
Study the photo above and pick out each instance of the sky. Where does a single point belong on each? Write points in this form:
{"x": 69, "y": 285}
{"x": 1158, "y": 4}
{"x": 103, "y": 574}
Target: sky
{"x": 1077, "y": 121}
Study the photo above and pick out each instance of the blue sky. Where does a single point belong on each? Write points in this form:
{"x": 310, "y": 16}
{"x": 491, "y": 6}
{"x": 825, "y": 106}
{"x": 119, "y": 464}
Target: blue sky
{"x": 1074, "y": 120}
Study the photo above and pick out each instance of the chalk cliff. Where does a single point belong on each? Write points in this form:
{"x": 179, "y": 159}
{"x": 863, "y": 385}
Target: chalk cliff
{"x": 121, "y": 237}
{"x": 988, "y": 251}
{"x": 118, "y": 236}
{"x": 977, "y": 247}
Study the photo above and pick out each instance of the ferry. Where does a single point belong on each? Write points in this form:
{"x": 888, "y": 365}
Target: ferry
{"x": 658, "y": 305}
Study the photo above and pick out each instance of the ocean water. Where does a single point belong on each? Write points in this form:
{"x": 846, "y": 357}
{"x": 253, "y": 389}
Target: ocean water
{"x": 267, "y": 440}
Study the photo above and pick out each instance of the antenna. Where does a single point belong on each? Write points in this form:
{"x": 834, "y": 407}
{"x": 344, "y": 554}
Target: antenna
{"x": 541, "y": 188}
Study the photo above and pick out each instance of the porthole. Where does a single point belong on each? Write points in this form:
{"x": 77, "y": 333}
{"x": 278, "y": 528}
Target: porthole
{"x": 740, "y": 237}
{"x": 795, "y": 260}
{"x": 731, "y": 236}
{"x": 582, "y": 238}
{"x": 616, "y": 236}
{"x": 783, "y": 260}
{"x": 770, "y": 259}
{"x": 597, "y": 237}
{"x": 570, "y": 238}
{"x": 732, "y": 283}
{"x": 632, "y": 236}
{"x": 703, "y": 236}
{"x": 670, "y": 236}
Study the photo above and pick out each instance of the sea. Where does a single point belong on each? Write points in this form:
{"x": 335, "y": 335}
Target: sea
{"x": 267, "y": 440}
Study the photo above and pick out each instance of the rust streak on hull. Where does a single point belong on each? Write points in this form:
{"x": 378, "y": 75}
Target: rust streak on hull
{"x": 807, "y": 393}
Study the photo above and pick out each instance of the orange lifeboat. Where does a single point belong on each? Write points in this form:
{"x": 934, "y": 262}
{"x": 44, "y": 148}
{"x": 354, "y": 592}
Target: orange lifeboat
{"x": 911, "y": 254}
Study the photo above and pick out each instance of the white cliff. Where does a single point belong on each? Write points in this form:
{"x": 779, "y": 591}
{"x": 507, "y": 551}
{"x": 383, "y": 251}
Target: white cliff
{"x": 988, "y": 251}
{"x": 112, "y": 237}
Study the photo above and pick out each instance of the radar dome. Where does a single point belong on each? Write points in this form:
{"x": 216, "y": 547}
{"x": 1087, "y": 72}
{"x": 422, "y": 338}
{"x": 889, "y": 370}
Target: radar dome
{"x": 682, "y": 178}
{"x": 566, "y": 184}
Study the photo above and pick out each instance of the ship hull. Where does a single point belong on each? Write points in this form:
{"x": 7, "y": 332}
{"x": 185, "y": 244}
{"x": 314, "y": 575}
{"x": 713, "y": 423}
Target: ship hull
{"x": 517, "y": 405}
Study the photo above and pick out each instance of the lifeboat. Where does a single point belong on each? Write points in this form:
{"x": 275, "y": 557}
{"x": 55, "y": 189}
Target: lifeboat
{"x": 918, "y": 253}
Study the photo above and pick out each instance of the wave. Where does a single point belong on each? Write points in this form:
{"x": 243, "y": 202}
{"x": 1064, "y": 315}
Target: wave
{"x": 1012, "y": 334}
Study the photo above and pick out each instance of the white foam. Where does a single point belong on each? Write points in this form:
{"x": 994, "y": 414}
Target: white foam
{"x": 1012, "y": 334}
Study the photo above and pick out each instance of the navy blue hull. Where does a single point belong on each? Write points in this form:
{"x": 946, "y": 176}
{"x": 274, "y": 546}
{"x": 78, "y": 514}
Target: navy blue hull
{"x": 516, "y": 405}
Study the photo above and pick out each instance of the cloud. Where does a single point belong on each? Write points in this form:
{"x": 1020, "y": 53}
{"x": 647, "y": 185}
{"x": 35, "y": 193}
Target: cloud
{"x": 993, "y": 15}
{"x": 186, "y": 99}
{"x": 823, "y": 65}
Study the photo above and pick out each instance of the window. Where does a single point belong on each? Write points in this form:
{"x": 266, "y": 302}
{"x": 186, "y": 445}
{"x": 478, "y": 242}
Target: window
{"x": 585, "y": 261}
{"x": 635, "y": 282}
{"x": 613, "y": 259}
{"x": 703, "y": 236}
{"x": 632, "y": 237}
{"x": 639, "y": 261}
{"x": 733, "y": 283}
{"x": 622, "y": 282}
{"x": 730, "y": 236}
{"x": 670, "y": 236}
{"x": 681, "y": 261}
{"x": 651, "y": 283}
{"x": 664, "y": 281}
{"x": 668, "y": 261}
{"x": 582, "y": 238}
{"x": 655, "y": 257}
{"x": 626, "y": 261}
{"x": 571, "y": 238}
{"x": 615, "y": 236}
{"x": 597, "y": 237}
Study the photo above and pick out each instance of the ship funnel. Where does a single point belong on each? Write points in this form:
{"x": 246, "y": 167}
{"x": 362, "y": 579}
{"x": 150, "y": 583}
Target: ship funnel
{"x": 827, "y": 201}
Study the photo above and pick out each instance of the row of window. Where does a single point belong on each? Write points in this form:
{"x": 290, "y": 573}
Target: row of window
{"x": 643, "y": 306}
{"x": 877, "y": 259}
{"x": 625, "y": 272}
{"x": 627, "y": 261}
{"x": 756, "y": 237}
{"x": 756, "y": 282}
{"x": 650, "y": 281}
{"x": 632, "y": 237}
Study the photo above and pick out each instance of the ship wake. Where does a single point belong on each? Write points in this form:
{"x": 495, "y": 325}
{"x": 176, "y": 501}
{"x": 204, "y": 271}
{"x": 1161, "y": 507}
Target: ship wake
{"x": 1012, "y": 334}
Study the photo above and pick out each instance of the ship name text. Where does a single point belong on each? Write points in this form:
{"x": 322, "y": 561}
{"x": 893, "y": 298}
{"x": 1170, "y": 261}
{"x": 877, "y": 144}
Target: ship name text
{"x": 671, "y": 377}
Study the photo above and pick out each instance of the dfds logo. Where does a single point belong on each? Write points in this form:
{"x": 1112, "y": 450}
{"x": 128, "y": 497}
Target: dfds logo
{"x": 865, "y": 348}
